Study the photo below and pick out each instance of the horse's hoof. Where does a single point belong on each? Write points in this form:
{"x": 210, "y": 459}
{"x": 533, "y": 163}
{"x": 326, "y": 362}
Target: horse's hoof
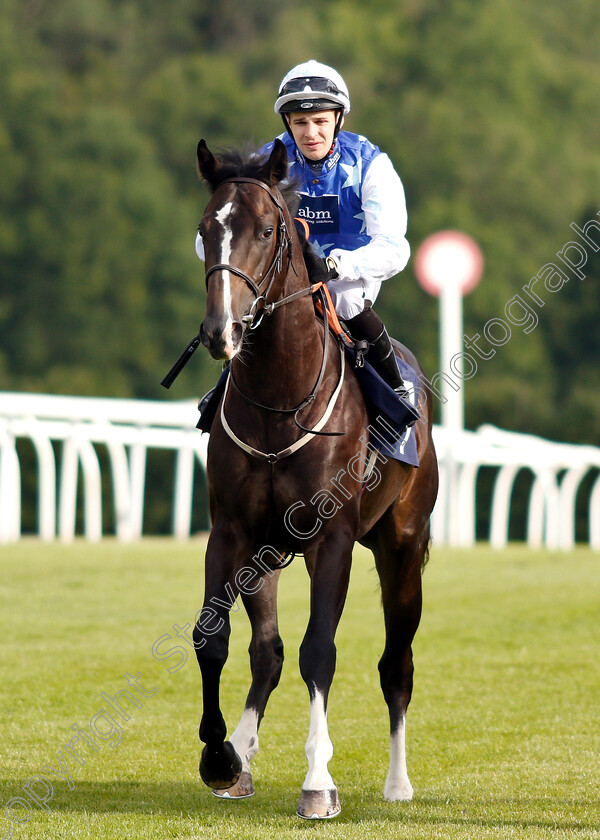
{"x": 220, "y": 767}
{"x": 319, "y": 804}
{"x": 242, "y": 789}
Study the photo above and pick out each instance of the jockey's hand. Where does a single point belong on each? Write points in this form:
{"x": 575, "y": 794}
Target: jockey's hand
{"x": 332, "y": 268}
{"x": 344, "y": 266}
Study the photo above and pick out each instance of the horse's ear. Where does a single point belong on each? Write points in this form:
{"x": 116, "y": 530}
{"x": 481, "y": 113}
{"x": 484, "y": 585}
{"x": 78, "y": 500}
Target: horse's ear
{"x": 208, "y": 164}
{"x": 278, "y": 163}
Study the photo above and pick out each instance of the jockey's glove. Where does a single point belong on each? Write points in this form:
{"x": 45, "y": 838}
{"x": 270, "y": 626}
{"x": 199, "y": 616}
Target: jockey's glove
{"x": 343, "y": 262}
{"x": 333, "y": 268}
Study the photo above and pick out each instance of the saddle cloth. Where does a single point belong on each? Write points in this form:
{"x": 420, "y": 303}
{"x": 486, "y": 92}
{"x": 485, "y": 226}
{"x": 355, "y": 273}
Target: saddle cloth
{"x": 389, "y": 416}
{"x": 391, "y": 419}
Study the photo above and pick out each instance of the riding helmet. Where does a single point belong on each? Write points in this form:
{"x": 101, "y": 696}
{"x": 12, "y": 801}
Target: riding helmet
{"x": 312, "y": 86}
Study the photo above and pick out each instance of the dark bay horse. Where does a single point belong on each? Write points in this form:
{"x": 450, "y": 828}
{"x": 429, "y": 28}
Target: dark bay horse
{"x": 281, "y": 482}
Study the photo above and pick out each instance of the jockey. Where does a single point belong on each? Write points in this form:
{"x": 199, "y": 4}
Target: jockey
{"x": 352, "y": 200}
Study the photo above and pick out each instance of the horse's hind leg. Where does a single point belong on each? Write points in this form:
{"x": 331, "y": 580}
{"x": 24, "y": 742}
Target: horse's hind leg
{"x": 266, "y": 662}
{"x": 399, "y": 564}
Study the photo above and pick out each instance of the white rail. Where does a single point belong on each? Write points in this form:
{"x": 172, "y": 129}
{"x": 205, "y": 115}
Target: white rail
{"x": 558, "y": 470}
{"x": 129, "y": 428}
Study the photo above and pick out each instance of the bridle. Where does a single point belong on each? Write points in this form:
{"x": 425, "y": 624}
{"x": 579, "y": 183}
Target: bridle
{"x": 253, "y": 318}
{"x": 259, "y": 306}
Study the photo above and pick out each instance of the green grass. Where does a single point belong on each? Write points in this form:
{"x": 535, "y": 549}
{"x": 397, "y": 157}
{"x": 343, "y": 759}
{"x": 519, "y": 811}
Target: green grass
{"x": 503, "y": 734}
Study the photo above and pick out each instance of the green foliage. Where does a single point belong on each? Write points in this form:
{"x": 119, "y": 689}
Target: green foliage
{"x": 488, "y": 110}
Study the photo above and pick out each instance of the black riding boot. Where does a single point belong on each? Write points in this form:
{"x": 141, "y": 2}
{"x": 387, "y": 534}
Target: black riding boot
{"x": 369, "y": 327}
{"x": 381, "y": 356}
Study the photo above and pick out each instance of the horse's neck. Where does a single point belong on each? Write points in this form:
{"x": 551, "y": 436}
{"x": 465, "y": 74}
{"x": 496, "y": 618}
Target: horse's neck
{"x": 284, "y": 355}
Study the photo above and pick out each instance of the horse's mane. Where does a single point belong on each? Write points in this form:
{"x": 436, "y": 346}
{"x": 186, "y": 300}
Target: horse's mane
{"x": 249, "y": 162}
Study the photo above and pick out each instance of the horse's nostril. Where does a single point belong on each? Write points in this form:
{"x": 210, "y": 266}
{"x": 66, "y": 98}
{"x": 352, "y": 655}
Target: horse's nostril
{"x": 204, "y": 338}
{"x": 211, "y": 336}
{"x": 236, "y": 333}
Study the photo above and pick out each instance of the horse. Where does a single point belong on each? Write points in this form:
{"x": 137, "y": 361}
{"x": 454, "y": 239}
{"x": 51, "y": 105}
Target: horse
{"x": 292, "y": 428}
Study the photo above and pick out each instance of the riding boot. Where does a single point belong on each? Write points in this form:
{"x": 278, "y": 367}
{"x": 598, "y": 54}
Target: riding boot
{"x": 381, "y": 355}
{"x": 369, "y": 326}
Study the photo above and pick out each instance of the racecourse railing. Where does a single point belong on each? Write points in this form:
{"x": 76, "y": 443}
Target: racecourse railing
{"x": 66, "y": 432}
{"x": 126, "y": 428}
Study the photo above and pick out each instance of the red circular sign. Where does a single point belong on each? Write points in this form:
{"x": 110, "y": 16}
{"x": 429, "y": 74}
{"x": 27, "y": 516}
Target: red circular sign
{"x": 448, "y": 258}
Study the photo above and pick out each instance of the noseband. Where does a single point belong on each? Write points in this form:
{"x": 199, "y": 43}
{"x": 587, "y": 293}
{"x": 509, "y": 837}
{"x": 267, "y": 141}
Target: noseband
{"x": 253, "y": 318}
{"x": 255, "y": 315}
{"x": 284, "y": 241}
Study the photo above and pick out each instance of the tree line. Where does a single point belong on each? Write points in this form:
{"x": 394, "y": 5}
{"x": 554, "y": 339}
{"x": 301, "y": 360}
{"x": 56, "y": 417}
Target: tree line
{"x": 486, "y": 107}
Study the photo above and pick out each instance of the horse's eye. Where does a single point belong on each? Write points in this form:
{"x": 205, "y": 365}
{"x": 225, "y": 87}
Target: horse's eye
{"x": 267, "y": 233}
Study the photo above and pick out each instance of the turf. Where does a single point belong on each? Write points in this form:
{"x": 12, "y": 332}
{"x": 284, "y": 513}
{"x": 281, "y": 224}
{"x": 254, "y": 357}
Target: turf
{"x": 503, "y": 735}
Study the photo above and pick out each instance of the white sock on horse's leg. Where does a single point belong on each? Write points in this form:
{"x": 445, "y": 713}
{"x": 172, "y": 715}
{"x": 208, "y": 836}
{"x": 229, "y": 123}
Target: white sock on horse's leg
{"x": 245, "y": 737}
{"x": 319, "y": 749}
{"x": 397, "y": 786}
{"x": 245, "y": 742}
{"x": 319, "y": 799}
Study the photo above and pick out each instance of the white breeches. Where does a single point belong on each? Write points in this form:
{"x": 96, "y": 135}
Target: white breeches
{"x": 349, "y": 296}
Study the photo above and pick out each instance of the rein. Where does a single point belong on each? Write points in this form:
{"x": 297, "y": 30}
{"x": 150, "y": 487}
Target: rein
{"x": 284, "y": 241}
{"x": 273, "y": 457}
{"x": 254, "y": 317}
{"x": 251, "y": 320}
{"x": 311, "y": 397}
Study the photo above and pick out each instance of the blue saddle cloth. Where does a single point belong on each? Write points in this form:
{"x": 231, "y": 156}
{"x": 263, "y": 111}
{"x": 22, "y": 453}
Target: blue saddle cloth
{"x": 391, "y": 419}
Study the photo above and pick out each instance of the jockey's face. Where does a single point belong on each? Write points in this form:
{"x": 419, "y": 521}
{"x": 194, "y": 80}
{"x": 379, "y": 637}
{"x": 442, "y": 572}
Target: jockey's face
{"x": 313, "y": 133}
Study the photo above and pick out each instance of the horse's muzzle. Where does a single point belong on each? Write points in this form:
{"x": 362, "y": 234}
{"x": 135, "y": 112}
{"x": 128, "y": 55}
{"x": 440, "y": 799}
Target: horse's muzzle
{"x": 212, "y": 338}
{"x": 221, "y": 341}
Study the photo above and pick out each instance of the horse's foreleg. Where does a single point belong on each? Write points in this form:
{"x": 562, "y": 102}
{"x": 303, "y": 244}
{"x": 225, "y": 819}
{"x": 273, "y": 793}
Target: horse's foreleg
{"x": 400, "y": 575}
{"x": 329, "y": 569}
{"x": 266, "y": 662}
{"x": 220, "y": 765}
